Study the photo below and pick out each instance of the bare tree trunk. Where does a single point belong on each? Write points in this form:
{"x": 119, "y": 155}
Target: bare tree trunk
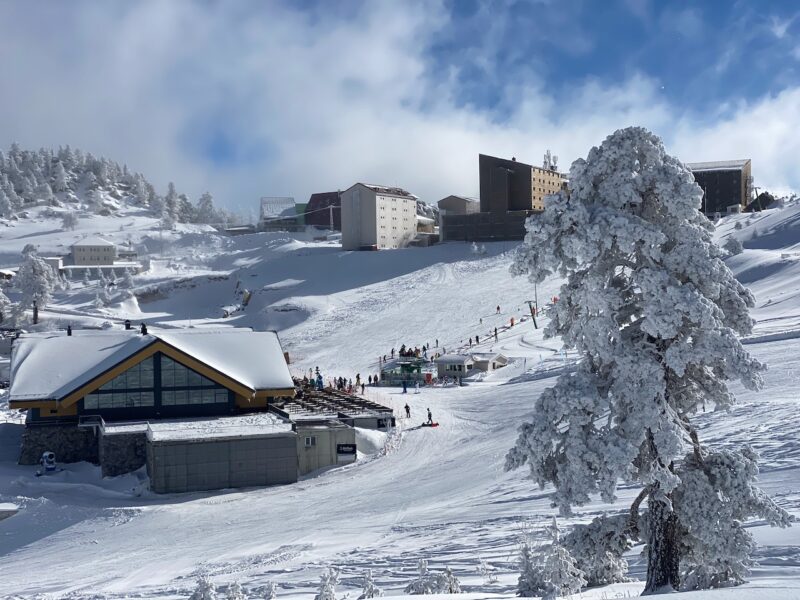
{"x": 663, "y": 553}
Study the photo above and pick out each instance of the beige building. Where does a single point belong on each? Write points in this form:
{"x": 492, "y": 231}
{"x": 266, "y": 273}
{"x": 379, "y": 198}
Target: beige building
{"x": 377, "y": 217}
{"x": 93, "y": 251}
{"x": 543, "y": 183}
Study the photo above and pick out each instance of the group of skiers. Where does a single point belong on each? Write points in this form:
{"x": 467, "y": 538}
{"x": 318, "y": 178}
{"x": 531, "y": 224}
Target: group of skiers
{"x": 408, "y": 414}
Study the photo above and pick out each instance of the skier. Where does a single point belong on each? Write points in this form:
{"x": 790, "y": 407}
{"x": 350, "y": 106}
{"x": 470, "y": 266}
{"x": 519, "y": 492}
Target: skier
{"x": 369, "y": 379}
{"x": 495, "y": 334}
{"x": 362, "y": 388}
{"x": 437, "y": 342}
{"x": 392, "y": 353}
{"x": 430, "y": 417}
{"x": 498, "y": 309}
{"x": 408, "y": 411}
{"x": 476, "y": 339}
{"x": 470, "y": 342}
{"x": 405, "y": 387}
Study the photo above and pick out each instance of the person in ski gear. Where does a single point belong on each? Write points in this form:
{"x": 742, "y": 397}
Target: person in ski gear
{"x": 476, "y": 339}
{"x": 498, "y": 309}
{"x": 495, "y": 334}
{"x": 470, "y": 342}
{"x": 408, "y": 411}
{"x": 405, "y": 387}
{"x": 430, "y": 417}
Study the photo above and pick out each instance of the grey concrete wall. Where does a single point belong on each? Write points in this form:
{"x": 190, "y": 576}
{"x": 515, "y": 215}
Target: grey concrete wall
{"x": 122, "y": 453}
{"x": 69, "y": 442}
{"x": 188, "y": 466}
{"x": 323, "y": 454}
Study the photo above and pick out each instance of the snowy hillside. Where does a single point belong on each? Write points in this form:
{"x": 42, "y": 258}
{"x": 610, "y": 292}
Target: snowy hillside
{"x": 436, "y": 494}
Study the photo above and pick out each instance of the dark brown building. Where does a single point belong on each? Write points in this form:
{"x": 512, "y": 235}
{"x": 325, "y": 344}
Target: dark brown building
{"x": 504, "y": 184}
{"x": 726, "y": 184}
{"x": 324, "y": 207}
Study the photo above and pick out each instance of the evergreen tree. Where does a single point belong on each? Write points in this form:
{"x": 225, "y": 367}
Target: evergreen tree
{"x": 529, "y": 583}
{"x": 5, "y": 308}
{"x": 127, "y": 280}
{"x": 598, "y": 549}
{"x": 560, "y": 574}
{"x": 270, "y": 591}
{"x": 370, "y": 590}
{"x": 733, "y": 246}
{"x": 60, "y": 178}
{"x": 5, "y": 204}
{"x": 170, "y": 209}
{"x": 35, "y": 280}
{"x": 86, "y": 280}
{"x": 424, "y": 583}
{"x": 447, "y": 582}
{"x": 205, "y": 590}
{"x": 327, "y": 585}
{"x": 43, "y": 193}
{"x": 235, "y": 592}
{"x": 69, "y": 221}
{"x": 656, "y": 315}
{"x": 204, "y": 213}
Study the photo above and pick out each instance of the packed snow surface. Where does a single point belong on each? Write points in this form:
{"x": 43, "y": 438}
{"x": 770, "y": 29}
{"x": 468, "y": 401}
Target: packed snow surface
{"x": 434, "y": 493}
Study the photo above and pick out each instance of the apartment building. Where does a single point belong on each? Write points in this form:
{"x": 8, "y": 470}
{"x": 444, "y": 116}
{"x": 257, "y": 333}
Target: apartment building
{"x": 377, "y": 217}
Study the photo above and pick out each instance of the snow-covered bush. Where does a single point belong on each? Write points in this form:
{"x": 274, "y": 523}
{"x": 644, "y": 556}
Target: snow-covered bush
{"x": 205, "y": 590}
{"x": 733, "y": 246}
{"x": 598, "y": 549}
{"x": 86, "y": 280}
{"x": 327, "y": 585}
{"x": 530, "y": 583}
{"x": 370, "y": 590}
{"x": 5, "y": 308}
{"x": 738, "y": 225}
{"x": 657, "y": 317}
{"x": 425, "y": 583}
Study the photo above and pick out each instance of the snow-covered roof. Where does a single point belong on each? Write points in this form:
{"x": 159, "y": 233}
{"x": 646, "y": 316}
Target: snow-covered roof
{"x": 386, "y": 190}
{"x": 482, "y": 356}
{"x": 423, "y": 219}
{"x": 52, "y": 365}
{"x": 93, "y": 240}
{"x": 274, "y": 207}
{"x": 453, "y": 359}
{"x": 250, "y": 425}
{"x": 721, "y": 165}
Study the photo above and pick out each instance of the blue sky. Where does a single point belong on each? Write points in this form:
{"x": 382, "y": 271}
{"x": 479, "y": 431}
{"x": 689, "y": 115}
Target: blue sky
{"x": 287, "y": 98}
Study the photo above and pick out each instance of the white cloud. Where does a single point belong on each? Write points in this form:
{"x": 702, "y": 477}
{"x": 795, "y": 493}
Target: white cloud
{"x": 317, "y": 102}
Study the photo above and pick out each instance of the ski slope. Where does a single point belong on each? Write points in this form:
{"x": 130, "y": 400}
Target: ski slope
{"x": 439, "y": 494}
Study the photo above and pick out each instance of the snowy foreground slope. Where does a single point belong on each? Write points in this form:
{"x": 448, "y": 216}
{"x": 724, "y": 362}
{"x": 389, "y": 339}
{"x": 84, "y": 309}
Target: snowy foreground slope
{"x": 435, "y": 494}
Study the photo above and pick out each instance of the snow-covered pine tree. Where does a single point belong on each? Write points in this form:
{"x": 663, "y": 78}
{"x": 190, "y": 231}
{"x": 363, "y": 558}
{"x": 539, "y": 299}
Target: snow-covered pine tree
{"x": 170, "y": 211}
{"x": 69, "y": 221}
{"x": 35, "y": 279}
{"x": 529, "y": 583}
{"x": 5, "y": 308}
{"x": 656, "y": 314}
{"x": 127, "y": 280}
{"x": 370, "y": 590}
{"x": 327, "y": 584}
{"x": 270, "y": 591}
{"x": 86, "y": 280}
{"x": 204, "y": 590}
{"x": 204, "y": 212}
{"x": 43, "y": 193}
{"x": 424, "y": 583}
{"x": 60, "y": 178}
{"x": 235, "y": 592}
{"x": 560, "y": 575}
{"x": 447, "y": 582}
{"x": 5, "y": 204}
{"x": 99, "y": 302}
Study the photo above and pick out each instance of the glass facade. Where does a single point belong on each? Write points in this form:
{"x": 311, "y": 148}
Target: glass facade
{"x": 158, "y": 386}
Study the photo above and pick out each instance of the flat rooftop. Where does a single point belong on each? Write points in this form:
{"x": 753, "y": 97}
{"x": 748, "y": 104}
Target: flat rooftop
{"x": 238, "y": 426}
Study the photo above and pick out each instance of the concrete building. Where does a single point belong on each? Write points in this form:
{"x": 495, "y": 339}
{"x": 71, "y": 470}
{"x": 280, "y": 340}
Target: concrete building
{"x": 458, "y": 205}
{"x": 727, "y": 185}
{"x": 281, "y": 214}
{"x": 489, "y": 361}
{"x": 377, "y": 217}
{"x": 510, "y": 192}
{"x": 93, "y": 251}
{"x": 322, "y": 444}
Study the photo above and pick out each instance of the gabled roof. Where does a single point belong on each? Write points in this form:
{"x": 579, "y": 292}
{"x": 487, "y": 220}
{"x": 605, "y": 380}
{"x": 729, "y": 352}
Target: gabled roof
{"x": 476, "y": 356}
{"x": 93, "y": 240}
{"x": 53, "y": 366}
{"x": 464, "y": 198}
{"x": 720, "y": 165}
